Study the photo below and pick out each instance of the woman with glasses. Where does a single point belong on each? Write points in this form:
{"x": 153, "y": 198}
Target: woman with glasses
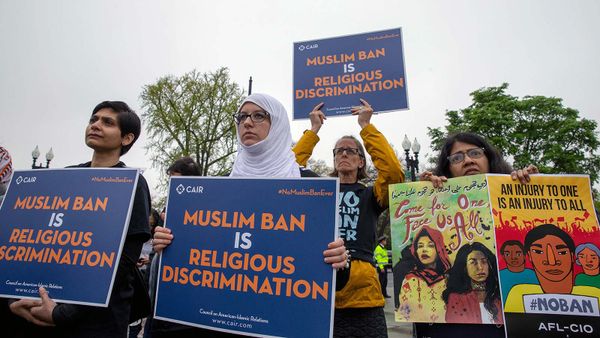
{"x": 465, "y": 154}
{"x": 264, "y": 150}
{"x": 359, "y": 304}
{"x": 264, "y": 140}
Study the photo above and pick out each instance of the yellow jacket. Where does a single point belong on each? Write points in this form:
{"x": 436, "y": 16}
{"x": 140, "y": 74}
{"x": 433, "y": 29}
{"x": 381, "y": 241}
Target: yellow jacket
{"x": 363, "y": 288}
{"x": 381, "y": 256}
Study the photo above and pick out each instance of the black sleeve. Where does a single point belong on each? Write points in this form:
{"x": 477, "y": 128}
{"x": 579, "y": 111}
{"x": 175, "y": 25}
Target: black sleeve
{"x": 140, "y": 213}
{"x": 307, "y": 173}
{"x": 342, "y": 277}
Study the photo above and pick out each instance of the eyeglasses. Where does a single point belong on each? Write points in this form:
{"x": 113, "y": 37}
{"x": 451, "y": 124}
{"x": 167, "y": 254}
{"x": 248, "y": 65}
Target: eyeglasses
{"x": 256, "y": 117}
{"x": 349, "y": 151}
{"x": 473, "y": 153}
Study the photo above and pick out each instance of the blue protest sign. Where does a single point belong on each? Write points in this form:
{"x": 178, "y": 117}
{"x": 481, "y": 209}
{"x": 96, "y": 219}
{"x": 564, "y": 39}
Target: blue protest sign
{"x": 339, "y": 71}
{"x": 64, "y": 229}
{"x": 247, "y": 255}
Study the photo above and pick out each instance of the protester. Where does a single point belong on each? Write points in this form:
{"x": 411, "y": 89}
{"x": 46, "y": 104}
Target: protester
{"x": 464, "y": 154}
{"x": 472, "y": 294}
{"x": 185, "y": 166}
{"x": 264, "y": 140}
{"x": 113, "y": 128}
{"x": 359, "y": 305}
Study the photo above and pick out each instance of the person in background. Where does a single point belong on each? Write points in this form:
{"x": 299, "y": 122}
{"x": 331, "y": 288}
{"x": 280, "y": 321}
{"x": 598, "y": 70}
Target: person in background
{"x": 143, "y": 263}
{"x": 359, "y": 304}
{"x": 382, "y": 260}
{"x": 185, "y": 166}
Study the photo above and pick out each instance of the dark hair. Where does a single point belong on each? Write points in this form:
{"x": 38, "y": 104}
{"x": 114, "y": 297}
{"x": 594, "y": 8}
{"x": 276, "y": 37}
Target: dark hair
{"x": 460, "y": 282}
{"x": 511, "y": 242}
{"x": 157, "y": 220}
{"x": 440, "y": 268}
{"x": 186, "y": 166}
{"x": 544, "y": 230}
{"x": 129, "y": 122}
{"x": 497, "y": 164}
{"x": 362, "y": 172}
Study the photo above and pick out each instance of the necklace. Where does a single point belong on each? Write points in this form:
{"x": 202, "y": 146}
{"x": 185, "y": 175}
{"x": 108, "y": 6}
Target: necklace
{"x": 477, "y": 286}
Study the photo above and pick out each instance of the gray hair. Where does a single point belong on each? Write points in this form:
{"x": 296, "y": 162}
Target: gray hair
{"x": 580, "y": 248}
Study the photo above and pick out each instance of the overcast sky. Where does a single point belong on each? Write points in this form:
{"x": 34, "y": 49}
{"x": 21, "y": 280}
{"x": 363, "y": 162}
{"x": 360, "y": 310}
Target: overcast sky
{"x": 58, "y": 59}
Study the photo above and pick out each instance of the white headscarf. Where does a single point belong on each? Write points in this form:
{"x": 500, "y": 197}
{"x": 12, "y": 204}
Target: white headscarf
{"x": 273, "y": 156}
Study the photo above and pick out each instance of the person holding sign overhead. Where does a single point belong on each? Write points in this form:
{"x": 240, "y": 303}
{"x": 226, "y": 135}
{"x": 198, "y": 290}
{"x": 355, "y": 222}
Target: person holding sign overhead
{"x": 359, "y": 304}
{"x": 112, "y": 129}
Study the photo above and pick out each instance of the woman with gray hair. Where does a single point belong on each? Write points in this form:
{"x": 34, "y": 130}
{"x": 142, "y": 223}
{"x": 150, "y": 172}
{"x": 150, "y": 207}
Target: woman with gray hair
{"x": 359, "y": 305}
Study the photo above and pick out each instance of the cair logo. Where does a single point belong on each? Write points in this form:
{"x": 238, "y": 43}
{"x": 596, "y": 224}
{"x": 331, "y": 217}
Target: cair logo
{"x": 189, "y": 189}
{"x": 310, "y": 46}
{"x": 26, "y": 179}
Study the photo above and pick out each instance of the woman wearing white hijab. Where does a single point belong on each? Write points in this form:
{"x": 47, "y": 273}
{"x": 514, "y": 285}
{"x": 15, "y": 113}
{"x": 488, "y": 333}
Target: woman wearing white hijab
{"x": 264, "y": 139}
{"x": 264, "y": 150}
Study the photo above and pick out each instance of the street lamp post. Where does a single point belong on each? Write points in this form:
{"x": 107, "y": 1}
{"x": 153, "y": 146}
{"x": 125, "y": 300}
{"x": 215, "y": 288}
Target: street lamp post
{"x": 35, "y": 154}
{"x": 412, "y": 163}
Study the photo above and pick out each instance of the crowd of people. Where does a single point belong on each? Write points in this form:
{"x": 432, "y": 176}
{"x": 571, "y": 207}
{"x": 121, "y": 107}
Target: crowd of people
{"x": 359, "y": 256}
